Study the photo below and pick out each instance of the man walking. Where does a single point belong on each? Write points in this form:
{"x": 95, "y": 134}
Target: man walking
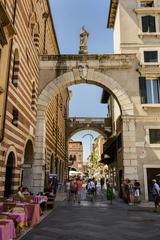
{"x": 156, "y": 193}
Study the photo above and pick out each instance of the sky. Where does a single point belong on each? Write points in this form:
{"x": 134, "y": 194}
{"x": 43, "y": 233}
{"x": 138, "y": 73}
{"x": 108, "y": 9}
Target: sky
{"x": 69, "y": 16}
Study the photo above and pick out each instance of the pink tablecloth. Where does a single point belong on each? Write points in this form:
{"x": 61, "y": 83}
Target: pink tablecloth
{"x": 7, "y": 231}
{"x": 39, "y": 199}
{"x": 33, "y": 212}
{"x": 21, "y": 218}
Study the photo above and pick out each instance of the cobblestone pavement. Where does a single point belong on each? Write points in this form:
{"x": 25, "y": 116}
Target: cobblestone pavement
{"x": 97, "y": 221}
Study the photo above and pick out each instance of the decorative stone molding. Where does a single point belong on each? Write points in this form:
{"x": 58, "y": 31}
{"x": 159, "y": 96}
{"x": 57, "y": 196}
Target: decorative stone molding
{"x": 95, "y": 61}
{"x": 1, "y": 90}
{"x": 149, "y": 71}
{"x": 83, "y": 71}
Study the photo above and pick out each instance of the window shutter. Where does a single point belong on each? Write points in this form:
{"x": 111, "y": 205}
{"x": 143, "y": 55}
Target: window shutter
{"x": 145, "y": 23}
{"x": 142, "y": 88}
{"x": 152, "y": 25}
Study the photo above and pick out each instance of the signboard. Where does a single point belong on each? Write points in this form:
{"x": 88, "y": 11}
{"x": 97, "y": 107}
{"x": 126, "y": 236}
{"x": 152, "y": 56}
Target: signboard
{"x": 26, "y": 165}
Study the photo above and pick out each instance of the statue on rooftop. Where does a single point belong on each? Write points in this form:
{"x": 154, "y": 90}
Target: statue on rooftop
{"x": 83, "y": 41}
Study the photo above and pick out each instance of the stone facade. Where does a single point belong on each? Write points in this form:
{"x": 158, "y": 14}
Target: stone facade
{"x": 29, "y": 33}
{"x": 75, "y": 153}
{"x": 136, "y": 30}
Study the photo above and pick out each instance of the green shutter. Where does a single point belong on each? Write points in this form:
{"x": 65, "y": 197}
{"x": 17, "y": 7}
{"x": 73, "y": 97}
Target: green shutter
{"x": 145, "y": 23}
{"x": 142, "y": 89}
{"x": 152, "y": 25}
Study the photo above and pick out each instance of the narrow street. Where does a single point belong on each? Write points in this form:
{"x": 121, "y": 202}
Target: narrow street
{"x": 97, "y": 221}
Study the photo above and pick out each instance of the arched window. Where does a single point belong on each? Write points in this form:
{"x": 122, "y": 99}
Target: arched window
{"x": 53, "y": 126}
{"x": 33, "y": 103}
{"x": 15, "y": 68}
{"x": 34, "y": 29}
{"x": 36, "y": 36}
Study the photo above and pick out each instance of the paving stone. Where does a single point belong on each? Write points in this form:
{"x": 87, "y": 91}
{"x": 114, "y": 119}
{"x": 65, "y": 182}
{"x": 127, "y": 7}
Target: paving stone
{"x": 97, "y": 221}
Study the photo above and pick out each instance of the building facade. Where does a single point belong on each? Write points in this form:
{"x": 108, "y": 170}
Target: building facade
{"x": 27, "y": 31}
{"x": 75, "y": 154}
{"x": 136, "y": 30}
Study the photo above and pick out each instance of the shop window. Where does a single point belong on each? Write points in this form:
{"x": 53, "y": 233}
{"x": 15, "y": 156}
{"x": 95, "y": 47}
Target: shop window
{"x": 15, "y": 115}
{"x": 147, "y": 4}
{"x": 154, "y": 135}
{"x": 15, "y": 69}
{"x": 150, "y": 56}
{"x": 148, "y": 24}
{"x": 149, "y": 90}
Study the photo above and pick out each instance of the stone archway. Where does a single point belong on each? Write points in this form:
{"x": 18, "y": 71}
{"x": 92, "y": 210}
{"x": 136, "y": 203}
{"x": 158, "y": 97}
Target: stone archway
{"x": 96, "y": 78}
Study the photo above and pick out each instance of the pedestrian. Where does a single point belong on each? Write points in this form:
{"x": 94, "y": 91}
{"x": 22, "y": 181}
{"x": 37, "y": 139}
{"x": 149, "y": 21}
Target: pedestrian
{"x": 102, "y": 183}
{"x": 156, "y": 194}
{"x": 73, "y": 190}
{"x": 54, "y": 184}
{"x": 130, "y": 193}
{"x": 91, "y": 189}
{"x": 109, "y": 192}
{"x": 137, "y": 191}
{"x": 79, "y": 189}
{"x": 67, "y": 189}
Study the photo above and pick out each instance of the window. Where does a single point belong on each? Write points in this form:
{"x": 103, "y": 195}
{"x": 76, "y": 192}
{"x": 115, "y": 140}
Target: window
{"x": 15, "y": 69}
{"x": 152, "y": 89}
{"x": 154, "y": 135}
{"x": 33, "y": 103}
{"x": 149, "y": 90}
{"x": 150, "y": 56}
{"x": 147, "y": 4}
{"x": 15, "y": 114}
{"x": 119, "y": 141}
{"x": 148, "y": 24}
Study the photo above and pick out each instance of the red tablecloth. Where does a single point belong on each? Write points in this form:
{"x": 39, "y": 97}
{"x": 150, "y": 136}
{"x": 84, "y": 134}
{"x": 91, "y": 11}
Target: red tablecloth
{"x": 7, "y": 231}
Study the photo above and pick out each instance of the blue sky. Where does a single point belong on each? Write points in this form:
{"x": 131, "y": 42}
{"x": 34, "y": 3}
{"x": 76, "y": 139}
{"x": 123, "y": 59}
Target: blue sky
{"x": 69, "y": 16}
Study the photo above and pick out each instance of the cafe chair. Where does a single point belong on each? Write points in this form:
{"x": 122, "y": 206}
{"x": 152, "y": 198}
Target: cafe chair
{"x": 7, "y": 206}
{"x": 50, "y": 202}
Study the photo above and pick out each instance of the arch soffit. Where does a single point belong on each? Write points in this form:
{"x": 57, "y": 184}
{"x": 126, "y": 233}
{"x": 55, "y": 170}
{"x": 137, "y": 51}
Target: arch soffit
{"x": 87, "y": 128}
{"x": 13, "y": 150}
{"x": 96, "y": 78}
{"x": 28, "y": 139}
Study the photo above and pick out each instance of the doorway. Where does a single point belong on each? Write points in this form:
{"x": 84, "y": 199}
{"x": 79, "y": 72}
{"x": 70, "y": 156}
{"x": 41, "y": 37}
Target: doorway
{"x": 9, "y": 175}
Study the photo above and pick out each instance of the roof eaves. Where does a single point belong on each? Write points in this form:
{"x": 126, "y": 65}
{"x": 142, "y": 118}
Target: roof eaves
{"x": 112, "y": 13}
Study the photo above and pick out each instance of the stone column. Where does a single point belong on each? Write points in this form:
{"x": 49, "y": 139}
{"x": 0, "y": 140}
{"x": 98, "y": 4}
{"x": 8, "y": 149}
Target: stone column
{"x": 129, "y": 148}
{"x": 39, "y": 152}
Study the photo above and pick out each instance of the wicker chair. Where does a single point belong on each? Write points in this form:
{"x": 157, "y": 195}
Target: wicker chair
{"x": 7, "y": 206}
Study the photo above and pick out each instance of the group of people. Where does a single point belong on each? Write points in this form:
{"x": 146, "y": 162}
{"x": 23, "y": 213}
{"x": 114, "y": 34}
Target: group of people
{"x": 23, "y": 194}
{"x": 131, "y": 191}
{"x": 73, "y": 189}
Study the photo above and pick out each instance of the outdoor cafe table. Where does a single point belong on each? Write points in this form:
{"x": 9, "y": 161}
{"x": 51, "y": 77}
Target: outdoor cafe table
{"x": 7, "y": 231}
{"x": 39, "y": 199}
{"x": 21, "y": 218}
{"x": 33, "y": 212}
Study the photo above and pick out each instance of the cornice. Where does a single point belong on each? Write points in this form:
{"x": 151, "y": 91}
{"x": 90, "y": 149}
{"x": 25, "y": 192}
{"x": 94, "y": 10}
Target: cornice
{"x": 112, "y": 13}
